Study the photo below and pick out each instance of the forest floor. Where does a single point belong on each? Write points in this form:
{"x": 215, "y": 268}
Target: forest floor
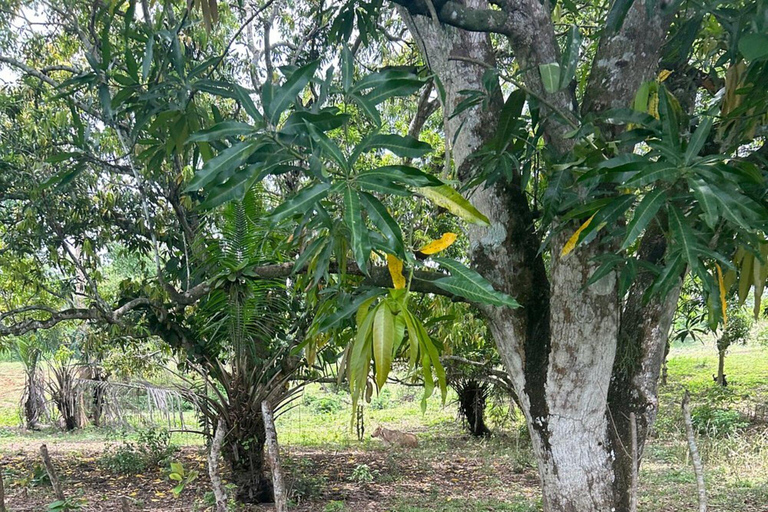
{"x": 330, "y": 471}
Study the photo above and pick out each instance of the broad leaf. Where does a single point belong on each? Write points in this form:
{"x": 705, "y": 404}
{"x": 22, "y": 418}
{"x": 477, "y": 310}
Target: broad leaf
{"x": 470, "y": 285}
{"x": 222, "y": 166}
{"x": 302, "y": 202}
{"x": 383, "y": 342}
{"x": 452, "y": 201}
{"x": 550, "y": 76}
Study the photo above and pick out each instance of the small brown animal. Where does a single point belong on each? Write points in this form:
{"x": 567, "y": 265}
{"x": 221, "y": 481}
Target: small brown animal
{"x": 396, "y": 437}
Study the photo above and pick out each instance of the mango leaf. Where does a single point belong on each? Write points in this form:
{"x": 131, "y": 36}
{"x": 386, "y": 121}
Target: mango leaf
{"x": 395, "y": 267}
{"x": 754, "y": 46}
{"x": 378, "y": 213}
{"x": 470, "y": 285}
{"x": 302, "y": 202}
{"x": 697, "y": 141}
{"x": 329, "y": 147}
{"x": 440, "y": 244}
{"x": 404, "y": 174}
{"x": 550, "y": 76}
{"x": 368, "y": 108}
{"x": 383, "y": 342}
{"x": 684, "y": 237}
{"x": 643, "y": 214}
{"x": 616, "y": 15}
{"x": 223, "y": 165}
{"x": 234, "y": 188}
{"x": 570, "y": 245}
{"x": 222, "y": 131}
{"x": 282, "y": 96}
{"x": 353, "y": 218}
{"x": 404, "y": 147}
{"x": 347, "y": 68}
{"x": 452, "y": 201}
{"x": 570, "y": 56}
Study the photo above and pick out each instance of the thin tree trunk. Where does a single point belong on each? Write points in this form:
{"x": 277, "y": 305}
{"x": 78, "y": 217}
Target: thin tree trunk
{"x": 721, "y": 368}
{"x": 213, "y": 468}
{"x": 698, "y": 467}
{"x": 55, "y": 483}
{"x": 281, "y": 500}
{"x": 633, "y": 487}
{"x": 2, "y": 491}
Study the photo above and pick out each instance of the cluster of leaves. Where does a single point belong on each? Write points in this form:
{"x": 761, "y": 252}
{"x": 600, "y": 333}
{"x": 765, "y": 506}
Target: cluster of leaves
{"x": 151, "y": 449}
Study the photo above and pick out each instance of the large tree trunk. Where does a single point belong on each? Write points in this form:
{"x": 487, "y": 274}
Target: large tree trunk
{"x": 33, "y": 399}
{"x": 244, "y": 453}
{"x": 581, "y": 359}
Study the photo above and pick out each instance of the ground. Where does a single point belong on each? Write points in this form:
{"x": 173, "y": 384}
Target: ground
{"x": 329, "y": 470}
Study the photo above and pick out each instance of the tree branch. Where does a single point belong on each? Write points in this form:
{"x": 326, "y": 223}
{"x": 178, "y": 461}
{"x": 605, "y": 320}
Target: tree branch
{"x": 460, "y": 16}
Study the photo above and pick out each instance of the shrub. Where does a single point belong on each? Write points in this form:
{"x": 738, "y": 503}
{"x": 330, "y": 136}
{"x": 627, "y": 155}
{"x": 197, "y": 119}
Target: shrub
{"x": 714, "y": 422}
{"x": 305, "y": 483}
{"x": 326, "y": 404}
{"x": 362, "y": 474}
{"x": 382, "y": 400}
{"x": 152, "y": 449}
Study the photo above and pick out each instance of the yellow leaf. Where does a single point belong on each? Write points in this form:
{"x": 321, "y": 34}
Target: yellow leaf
{"x": 448, "y": 198}
{"x": 721, "y": 284}
{"x": 570, "y": 245}
{"x": 653, "y": 104}
{"x": 395, "y": 267}
{"x": 664, "y": 74}
{"x": 438, "y": 245}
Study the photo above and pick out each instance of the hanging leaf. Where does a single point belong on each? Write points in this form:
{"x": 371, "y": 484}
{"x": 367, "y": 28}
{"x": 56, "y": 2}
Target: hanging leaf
{"x": 550, "y": 76}
{"x": 395, "y": 266}
{"x": 721, "y": 288}
{"x": 452, "y": 201}
{"x": 222, "y": 166}
{"x": 285, "y": 94}
{"x": 570, "y": 245}
{"x": 353, "y": 218}
{"x": 438, "y": 245}
{"x": 383, "y": 341}
{"x": 570, "y": 57}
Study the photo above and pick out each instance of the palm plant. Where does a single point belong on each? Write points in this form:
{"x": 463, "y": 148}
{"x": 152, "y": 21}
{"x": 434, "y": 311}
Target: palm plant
{"x": 246, "y": 330}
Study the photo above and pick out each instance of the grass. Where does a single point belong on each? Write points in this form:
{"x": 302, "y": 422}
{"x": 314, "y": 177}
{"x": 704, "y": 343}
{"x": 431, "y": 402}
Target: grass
{"x": 449, "y": 472}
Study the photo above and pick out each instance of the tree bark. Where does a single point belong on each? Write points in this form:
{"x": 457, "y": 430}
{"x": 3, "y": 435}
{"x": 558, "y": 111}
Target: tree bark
{"x": 581, "y": 359}
{"x": 55, "y": 483}
{"x": 698, "y": 467}
{"x": 219, "y": 493}
{"x": 721, "y": 367}
{"x": 281, "y": 499}
{"x": 244, "y": 453}
{"x": 2, "y": 491}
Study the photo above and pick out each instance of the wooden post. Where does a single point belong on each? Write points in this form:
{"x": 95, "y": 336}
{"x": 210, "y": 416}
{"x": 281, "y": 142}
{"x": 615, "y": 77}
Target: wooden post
{"x": 52, "y": 473}
{"x": 698, "y": 468}
{"x": 2, "y": 491}
{"x": 281, "y": 500}
{"x": 219, "y": 492}
{"x": 633, "y": 486}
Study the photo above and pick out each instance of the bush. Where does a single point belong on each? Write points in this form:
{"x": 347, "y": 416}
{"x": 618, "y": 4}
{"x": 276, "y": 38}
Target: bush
{"x": 382, "y": 400}
{"x": 714, "y": 422}
{"x": 152, "y": 449}
{"x": 326, "y": 404}
{"x": 305, "y": 482}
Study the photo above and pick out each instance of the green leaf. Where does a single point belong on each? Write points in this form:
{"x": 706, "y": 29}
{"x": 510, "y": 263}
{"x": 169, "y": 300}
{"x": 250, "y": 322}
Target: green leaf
{"x": 369, "y": 109}
{"x": 754, "y": 46}
{"x": 234, "y": 188}
{"x": 668, "y": 116}
{"x": 353, "y": 218}
{"x": 550, "y": 76}
{"x": 381, "y": 184}
{"x": 509, "y": 118}
{"x": 452, "y": 201}
{"x": 384, "y": 221}
{"x": 570, "y": 58}
{"x": 302, "y": 202}
{"x": 176, "y": 467}
{"x": 404, "y": 147}
{"x": 708, "y": 201}
{"x": 404, "y": 174}
{"x": 329, "y": 147}
{"x": 616, "y": 15}
{"x": 644, "y": 213}
{"x": 385, "y": 76}
{"x": 392, "y": 88}
{"x": 383, "y": 342}
{"x": 244, "y": 97}
{"x": 654, "y": 172}
{"x": 285, "y": 94}
{"x": 347, "y": 68}
{"x": 467, "y": 283}
{"x": 222, "y": 166}
{"x": 683, "y": 237}
{"x": 146, "y": 62}
{"x": 222, "y": 131}
{"x": 698, "y": 139}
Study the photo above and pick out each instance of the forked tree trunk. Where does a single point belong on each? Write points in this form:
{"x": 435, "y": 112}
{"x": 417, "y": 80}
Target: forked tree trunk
{"x": 580, "y": 357}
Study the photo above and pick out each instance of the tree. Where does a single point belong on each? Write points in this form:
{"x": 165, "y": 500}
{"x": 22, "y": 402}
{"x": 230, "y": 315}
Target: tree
{"x": 598, "y": 181}
{"x": 735, "y": 331}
